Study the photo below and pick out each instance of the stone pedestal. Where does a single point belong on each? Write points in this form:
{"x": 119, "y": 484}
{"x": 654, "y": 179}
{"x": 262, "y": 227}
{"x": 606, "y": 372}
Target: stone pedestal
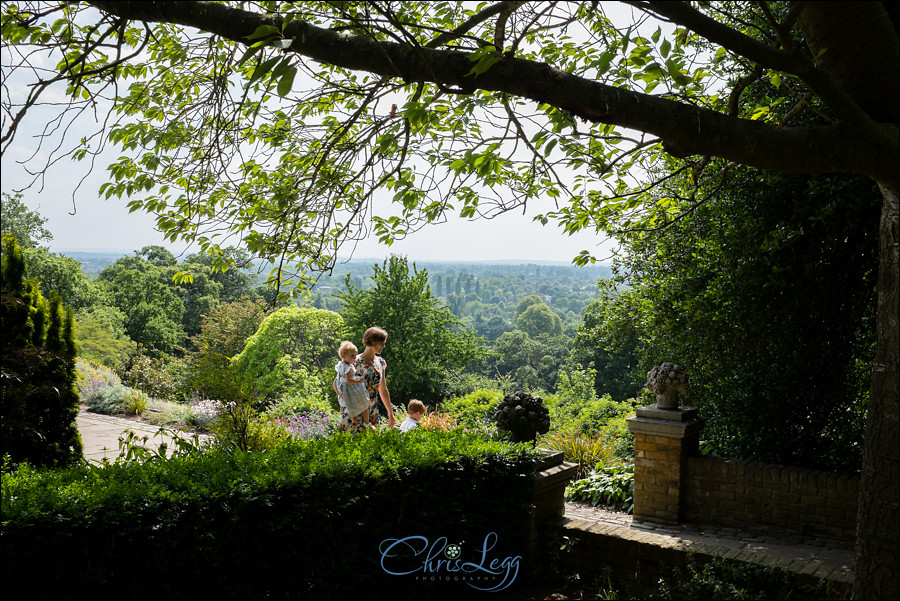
{"x": 551, "y": 476}
{"x": 663, "y": 439}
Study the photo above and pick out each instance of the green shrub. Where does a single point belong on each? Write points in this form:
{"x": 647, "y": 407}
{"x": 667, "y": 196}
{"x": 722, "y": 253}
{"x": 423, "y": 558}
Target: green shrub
{"x": 98, "y": 341}
{"x": 281, "y": 524}
{"x": 150, "y": 375}
{"x": 474, "y": 410}
{"x": 576, "y": 385}
{"x": 108, "y": 400}
{"x": 292, "y": 354}
{"x": 240, "y": 426}
{"x": 586, "y": 416}
{"x": 289, "y": 407}
{"x": 39, "y": 402}
{"x": 576, "y": 408}
{"x": 463, "y": 383}
{"x": 135, "y": 402}
{"x": 608, "y": 485}
{"x": 207, "y": 371}
{"x": 619, "y": 438}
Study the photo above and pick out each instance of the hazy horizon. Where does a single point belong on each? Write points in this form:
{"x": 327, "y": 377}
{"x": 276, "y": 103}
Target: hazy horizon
{"x": 125, "y": 252}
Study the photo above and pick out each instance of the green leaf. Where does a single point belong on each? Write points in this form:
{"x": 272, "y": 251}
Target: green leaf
{"x": 183, "y": 277}
{"x": 286, "y": 82}
{"x": 484, "y": 58}
{"x": 249, "y": 52}
{"x": 263, "y": 68}
{"x": 664, "y": 48}
{"x": 759, "y": 113}
{"x": 264, "y": 31}
{"x": 602, "y": 64}
{"x": 550, "y": 145}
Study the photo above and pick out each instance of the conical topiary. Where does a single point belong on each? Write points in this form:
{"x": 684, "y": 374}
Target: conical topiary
{"x": 39, "y": 401}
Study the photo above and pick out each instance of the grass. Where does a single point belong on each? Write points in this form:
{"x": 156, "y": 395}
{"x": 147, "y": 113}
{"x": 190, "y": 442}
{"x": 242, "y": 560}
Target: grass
{"x": 167, "y": 413}
{"x": 587, "y": 450}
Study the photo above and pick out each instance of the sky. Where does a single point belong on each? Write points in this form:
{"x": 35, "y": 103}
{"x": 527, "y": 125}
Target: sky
{"x": 93, "y": 223}
{"x": 80, "y": 219}
{"x": 84, "y": 221}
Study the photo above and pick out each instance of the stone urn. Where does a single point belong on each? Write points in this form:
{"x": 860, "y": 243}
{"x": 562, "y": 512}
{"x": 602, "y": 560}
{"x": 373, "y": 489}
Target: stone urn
{"x": 667, "y": 381}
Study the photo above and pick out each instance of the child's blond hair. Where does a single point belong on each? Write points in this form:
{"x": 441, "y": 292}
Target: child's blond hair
{"x": 415, "y": 406}
{"x": 347, "y": 347}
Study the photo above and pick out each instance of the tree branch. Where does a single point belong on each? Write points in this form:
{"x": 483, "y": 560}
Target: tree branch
{"x": 686, "y": 129}
{"x": 481, "y": 17}
{"x": 683, "y": 14}
{"x": 767, "y": 56}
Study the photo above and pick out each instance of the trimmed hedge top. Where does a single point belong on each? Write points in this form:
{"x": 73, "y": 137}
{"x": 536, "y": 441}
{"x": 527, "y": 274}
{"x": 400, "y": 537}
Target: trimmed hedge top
{"x": 30, "y": 494}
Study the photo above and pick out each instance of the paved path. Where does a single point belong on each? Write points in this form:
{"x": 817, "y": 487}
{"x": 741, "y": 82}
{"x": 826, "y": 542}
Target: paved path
{"x": 100, "y": 435}
{"x": 830, "y": 559}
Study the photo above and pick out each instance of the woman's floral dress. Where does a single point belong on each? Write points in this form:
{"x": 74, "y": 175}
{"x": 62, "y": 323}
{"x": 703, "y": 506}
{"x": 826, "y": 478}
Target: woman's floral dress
{"x": 374, "y": 373}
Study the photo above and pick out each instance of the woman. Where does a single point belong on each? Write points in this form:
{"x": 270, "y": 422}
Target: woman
{"x": 373, "y": 369}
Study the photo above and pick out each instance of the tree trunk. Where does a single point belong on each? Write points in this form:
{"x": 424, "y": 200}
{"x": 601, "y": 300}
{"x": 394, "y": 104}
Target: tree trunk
{"x": 878, "y": 524}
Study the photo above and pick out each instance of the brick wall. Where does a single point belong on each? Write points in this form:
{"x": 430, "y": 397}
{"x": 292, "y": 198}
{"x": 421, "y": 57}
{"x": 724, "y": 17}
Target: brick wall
{"x": 738, "y": 493}
{"x": 658, "y": 476}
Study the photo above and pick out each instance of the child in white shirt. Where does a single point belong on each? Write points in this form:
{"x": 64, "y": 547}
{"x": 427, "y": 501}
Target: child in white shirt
{"x": 416, "y": 411}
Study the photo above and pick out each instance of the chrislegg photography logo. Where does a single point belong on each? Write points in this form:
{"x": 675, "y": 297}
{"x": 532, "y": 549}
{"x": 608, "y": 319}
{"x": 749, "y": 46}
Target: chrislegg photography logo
{"x": 442, "y": 560}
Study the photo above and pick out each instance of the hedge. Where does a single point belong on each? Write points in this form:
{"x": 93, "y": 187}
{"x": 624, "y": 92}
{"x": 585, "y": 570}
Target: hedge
{"x": 304, "y": 520}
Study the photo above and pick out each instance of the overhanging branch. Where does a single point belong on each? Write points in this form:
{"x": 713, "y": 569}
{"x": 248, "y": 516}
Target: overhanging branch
{"x": 686, "y": 129}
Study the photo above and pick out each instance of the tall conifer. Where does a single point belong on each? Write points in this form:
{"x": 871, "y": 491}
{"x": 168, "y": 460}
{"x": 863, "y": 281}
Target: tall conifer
{"x": 39, "y": 401}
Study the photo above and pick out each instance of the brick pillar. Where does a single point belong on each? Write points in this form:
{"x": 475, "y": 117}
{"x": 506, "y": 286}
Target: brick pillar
{"x": 663, "y": 439}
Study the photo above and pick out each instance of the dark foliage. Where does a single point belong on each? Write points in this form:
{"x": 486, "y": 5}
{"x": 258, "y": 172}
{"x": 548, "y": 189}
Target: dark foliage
{"x": 305, "y": 520}
{"x": 39, "y": 401}
{"x": 522, "y": 415}
{"x": 767, "y": 295}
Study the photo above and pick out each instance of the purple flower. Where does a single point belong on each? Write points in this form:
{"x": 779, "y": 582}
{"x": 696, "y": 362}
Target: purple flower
{"x": 308, "y": 424}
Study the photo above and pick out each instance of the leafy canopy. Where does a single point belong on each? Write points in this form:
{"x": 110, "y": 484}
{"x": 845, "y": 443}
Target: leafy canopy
{"x": 292, "y": 354}
{"x": 20, "y": 222}
{"x": 144, "y": 293}
{"x": 276, "y": 126}
{"x": 705, "y": 291}
{"x": 299, "y": 127}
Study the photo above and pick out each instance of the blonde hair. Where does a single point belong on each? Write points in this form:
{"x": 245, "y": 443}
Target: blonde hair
{"x": 374, "y": 335}
{"x": 347, "y": 347}
{"x": 415, "y": 406}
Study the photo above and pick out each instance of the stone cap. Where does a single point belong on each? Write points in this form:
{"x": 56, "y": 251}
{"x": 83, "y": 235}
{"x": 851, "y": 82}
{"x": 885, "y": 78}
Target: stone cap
{"x": 682, "y": 414}
{"x": 549, "y": 458}
{"x": 674, "y": 423}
